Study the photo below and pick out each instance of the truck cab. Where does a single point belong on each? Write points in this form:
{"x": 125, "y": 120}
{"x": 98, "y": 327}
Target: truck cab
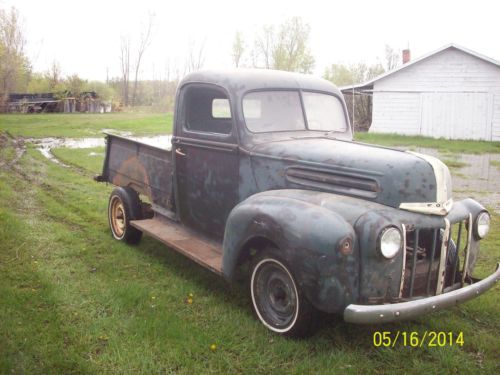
{"x": 264, "y": 181}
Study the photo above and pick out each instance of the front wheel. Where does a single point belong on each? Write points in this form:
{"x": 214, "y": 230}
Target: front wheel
{"x": 124, "y": 206}
{"x": 277, "y": 301}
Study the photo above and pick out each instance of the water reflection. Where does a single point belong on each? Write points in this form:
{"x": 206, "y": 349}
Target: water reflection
{"x": 160, "y": 141}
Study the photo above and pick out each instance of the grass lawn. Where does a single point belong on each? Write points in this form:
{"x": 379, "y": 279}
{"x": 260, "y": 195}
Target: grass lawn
{"x": 73, "y": 300}
{"x": 91, "y": 125}
{"x": 444, "y": 146}
{"x": 495, "y": 163}
{"x": 85, "y": 125}
{"x": 86, "y": 160}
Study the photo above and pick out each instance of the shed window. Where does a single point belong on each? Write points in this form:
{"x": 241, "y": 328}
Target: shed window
{"x": 207, "y": 110}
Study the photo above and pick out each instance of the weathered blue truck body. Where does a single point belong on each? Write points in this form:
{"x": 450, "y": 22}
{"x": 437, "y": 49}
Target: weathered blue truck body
{"x": 264, "y": 181}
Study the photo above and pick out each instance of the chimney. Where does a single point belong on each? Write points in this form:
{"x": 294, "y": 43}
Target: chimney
{"x": 406, "y": 56}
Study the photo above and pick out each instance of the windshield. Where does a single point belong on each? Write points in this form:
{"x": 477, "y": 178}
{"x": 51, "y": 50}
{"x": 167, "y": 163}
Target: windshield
{"x": 272, "y": 111}
{"x": 324, "y": 112}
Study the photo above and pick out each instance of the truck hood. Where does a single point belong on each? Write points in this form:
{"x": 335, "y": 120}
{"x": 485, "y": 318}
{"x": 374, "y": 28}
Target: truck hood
{"x": 391, "y": 177}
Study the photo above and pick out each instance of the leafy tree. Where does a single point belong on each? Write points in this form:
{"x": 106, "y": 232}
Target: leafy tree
{"x": 290, "y": 50}
{"x": 284, "y": 47}
{"x": 54, "y": 76}
{"x": 38, "y": 84}
{"x": 102, "y": 89}
{"x": 340, "y": 74}
{"x": 75, "y": 85}
{"x": 238, "y": 48}
{"x": 344, "y": 75}
{"x": 15, "y": 67}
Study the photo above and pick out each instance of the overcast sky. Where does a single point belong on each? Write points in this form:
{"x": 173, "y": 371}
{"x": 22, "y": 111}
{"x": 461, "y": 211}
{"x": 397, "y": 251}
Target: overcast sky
{"x": 84, "y": 36}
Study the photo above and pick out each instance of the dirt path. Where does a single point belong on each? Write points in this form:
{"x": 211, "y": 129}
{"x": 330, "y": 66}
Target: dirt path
{"x": 17, "y": 144}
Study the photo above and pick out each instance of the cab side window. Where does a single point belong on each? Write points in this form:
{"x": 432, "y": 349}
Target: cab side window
{"x": 207, "y": 110}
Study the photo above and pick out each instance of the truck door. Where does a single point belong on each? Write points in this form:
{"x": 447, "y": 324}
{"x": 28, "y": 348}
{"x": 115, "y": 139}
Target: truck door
{"x": 206, "y": 158}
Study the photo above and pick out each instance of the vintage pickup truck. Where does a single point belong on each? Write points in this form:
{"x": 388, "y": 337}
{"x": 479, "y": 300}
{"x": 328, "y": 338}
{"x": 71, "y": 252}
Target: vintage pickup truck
{"x": 264, "y": 183}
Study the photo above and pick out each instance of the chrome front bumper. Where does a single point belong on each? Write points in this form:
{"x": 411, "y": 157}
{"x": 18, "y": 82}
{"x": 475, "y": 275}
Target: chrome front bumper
{"x": 366, "y": 314}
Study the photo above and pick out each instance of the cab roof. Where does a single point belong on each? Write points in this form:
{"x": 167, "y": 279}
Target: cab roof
{"x": 238, "y": 81}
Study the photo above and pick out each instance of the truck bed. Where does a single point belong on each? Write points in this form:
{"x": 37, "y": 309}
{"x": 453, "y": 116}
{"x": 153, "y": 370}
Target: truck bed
{"x": 148, "y": 170}
{"x": 145, "y": 168}
{"x": 202, "y": 250}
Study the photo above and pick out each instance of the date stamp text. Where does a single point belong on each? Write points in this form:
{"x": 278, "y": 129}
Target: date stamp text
{"x": 414, "y": 339}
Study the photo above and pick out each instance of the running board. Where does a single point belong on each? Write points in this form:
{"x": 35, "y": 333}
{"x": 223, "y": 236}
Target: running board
{"x": 203, "y": 251}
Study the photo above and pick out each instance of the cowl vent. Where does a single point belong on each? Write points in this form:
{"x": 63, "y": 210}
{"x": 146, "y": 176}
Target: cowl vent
{"x": 349, "y": 184}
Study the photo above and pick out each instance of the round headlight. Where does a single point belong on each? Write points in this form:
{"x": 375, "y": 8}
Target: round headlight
{"x": 482, "y": 224}
{"x": 390, "y": 242}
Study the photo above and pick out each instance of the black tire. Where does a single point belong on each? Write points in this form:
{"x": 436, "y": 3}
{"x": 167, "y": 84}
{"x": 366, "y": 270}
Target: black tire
{"x": 277, "y": 299}
{"x": 124, "y": 206}
{"x": 452, "y": 263}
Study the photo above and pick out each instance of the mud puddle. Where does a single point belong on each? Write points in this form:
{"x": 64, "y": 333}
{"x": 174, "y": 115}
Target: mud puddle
{"x": 475, "y": 176}
{"x": 45, "y": 145}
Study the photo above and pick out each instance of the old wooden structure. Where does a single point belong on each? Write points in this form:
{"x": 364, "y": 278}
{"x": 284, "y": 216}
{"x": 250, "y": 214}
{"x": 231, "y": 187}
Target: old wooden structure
{"x": 85, "y": 102}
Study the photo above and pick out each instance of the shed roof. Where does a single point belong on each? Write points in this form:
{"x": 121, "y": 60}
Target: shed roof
{"x": 368, "y": 85}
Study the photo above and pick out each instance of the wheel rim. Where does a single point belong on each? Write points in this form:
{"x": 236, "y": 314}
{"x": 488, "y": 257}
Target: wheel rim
{"x": 274, "y": 295}
{"x": 117, "y": 217}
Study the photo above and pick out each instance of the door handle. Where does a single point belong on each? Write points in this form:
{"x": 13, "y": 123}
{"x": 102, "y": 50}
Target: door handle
{"x": 179, "y": 152}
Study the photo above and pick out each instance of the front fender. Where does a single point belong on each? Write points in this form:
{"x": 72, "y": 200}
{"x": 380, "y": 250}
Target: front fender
{"x": 308, "y": 237}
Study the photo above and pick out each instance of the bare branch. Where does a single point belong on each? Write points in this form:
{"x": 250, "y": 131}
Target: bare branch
{"x": 196, "y": 56}
{"x": 125, "y": 67}
{"x": 143, "y": 45}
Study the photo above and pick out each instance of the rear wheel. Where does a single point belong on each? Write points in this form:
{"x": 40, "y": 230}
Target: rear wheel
{"x": 277, "y": 300}
{"x": 124, "y": 206}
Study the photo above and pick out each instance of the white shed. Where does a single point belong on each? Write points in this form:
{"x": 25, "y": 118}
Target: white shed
{"x": 452, "y": 93}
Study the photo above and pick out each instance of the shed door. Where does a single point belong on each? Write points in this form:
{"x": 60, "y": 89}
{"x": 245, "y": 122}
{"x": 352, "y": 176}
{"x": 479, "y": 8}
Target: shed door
{"x": 495, "y": 122}
{"x": 455, "y": 115}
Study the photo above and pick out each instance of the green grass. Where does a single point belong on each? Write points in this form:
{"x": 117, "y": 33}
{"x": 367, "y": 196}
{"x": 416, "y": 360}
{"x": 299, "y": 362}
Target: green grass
{"x": 454, "y": 163}
{"x": 443, "y": 145}
{"x": 141, "y": 124}
{"x": 7, "y": 151}
{"x": 73, "y": 300}
{"x": 89, "y": 160}
{"x": 495, "y": 163}
{"x": 91, "y": 125}
{"x": 85, "y": 125}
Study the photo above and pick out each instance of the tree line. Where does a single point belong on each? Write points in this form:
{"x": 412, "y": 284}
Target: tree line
{"x": 285, "y": 47}
{"x": 282, "y": 46}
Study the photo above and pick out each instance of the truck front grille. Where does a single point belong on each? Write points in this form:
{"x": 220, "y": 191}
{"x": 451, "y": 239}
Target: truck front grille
{"x": 435, "y": 259}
